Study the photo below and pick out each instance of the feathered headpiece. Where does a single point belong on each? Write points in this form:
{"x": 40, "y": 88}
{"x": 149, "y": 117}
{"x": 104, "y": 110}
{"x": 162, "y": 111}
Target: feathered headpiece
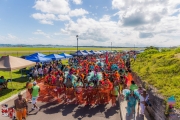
{"x": 91, "y": 67}
{"x": 114, "y": 67}
{"x": 99, "y": 64}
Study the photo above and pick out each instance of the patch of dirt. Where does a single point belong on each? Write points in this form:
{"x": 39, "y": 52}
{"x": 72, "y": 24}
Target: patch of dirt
{"x": 177, "y": 55}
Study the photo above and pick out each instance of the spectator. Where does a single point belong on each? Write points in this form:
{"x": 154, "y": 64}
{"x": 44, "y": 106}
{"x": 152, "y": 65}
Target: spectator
{"x": 21, "y": 107}
{"x": 3, "y": 82}
{"x": 35, "y": 74}
{"x": 140, "y": 89}
{"x": 35, "y": 93}
{"x": 40, "y": 72}
{"x": 133, "y": 86}
{"x": 144, "y": 98}
{"x": 29, "y": 86}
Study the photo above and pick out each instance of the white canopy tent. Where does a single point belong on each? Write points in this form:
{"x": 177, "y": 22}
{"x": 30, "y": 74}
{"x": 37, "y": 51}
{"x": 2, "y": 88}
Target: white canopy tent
{"x": 10, "y": 63}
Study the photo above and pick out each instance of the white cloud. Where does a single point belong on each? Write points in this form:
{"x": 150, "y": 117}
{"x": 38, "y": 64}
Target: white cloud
{"x": 63, "y": 17}
{"x": 44, "y": 18}
{"x": 140, "y": 22}
{"x": 56, "y": 10}
{"x": 9, "y": 36}
{"x": 52, "y": 6}
{"x": 46, "y": 22}
{"x": 40, "y": 32}
{"x": 105, "y": 18}
{"x": 41, "y": 16}
{"x": 78, "y": 12}
{"x": 77, "y": 2}
{"x": 97, "y": 31}
{"x": 10, "y": 39}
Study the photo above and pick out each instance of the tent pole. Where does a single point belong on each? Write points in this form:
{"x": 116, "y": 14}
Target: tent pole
{"x": 10, "y": 73}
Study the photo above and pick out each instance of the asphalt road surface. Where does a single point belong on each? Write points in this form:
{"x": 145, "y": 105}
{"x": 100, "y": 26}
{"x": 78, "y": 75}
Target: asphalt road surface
{"x": 54, "y": 111}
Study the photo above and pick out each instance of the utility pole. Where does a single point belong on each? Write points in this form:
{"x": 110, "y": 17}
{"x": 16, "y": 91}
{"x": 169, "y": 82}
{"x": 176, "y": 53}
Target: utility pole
{"x": 111, "y": 46}
{"x": 77, "y": 44}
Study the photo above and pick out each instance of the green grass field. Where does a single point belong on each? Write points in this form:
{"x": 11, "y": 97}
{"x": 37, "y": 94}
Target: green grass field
{"x": 17, "y": 85}
{"x": 23, "y": 51}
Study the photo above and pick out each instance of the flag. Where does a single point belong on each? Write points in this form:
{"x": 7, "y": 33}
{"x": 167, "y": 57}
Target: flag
{"x": 106, "y": 58}
{"x": 171, "y": 100}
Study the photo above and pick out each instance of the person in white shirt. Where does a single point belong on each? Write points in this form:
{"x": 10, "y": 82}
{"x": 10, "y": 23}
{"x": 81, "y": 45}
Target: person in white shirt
{"x": 35, "y": 74}
{"x": 40, "y": 71}
{"x": 144, "y": 97}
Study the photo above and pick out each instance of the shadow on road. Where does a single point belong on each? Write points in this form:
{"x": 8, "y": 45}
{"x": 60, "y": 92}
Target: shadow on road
{"x": 81, "y": 111}
{"x": 113, "y": 110}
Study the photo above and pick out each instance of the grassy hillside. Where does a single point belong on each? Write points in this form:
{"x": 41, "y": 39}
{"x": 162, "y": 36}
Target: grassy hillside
{"x": 162, "y": 70}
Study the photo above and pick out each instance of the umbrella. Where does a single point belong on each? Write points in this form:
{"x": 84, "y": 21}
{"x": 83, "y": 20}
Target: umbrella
{"x": 171, "y": 100}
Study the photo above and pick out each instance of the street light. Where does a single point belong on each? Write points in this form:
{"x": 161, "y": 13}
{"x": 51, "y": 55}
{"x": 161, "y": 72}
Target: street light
{"x": 77, "y": 44}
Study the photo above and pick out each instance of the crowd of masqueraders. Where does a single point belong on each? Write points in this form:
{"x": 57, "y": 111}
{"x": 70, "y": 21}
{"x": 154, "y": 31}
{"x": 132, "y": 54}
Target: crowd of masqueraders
{"x": 90, "y": 80}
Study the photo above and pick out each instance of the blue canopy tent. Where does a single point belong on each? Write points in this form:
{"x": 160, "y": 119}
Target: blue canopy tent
{"x": 89, "y": 53}
{"x": 79, "y": 53}
{"x": 54, "y": 56}
{"x": 38, "y": 54}
{"x": 98, "y": 52}
{"x": 37, "y": 59}
{"x": 66, "y": 55}
{"x": 93, "y": 52}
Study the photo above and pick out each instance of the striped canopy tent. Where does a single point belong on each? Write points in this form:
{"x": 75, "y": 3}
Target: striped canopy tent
{"x": 98, "y": 52}
{"x": 89, "y": 53}
{"x": 93, "y": 52}
{"x": 79, "y": 53}
{"x": 38, "y": 54}
{"x": 66, "y": 55}
{"x": 54, "y": 56}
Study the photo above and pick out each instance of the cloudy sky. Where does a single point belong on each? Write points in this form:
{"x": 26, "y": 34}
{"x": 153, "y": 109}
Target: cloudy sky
{"x": 97, "y": 22}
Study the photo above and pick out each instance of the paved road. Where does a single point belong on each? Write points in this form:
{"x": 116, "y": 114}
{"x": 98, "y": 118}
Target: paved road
{"x": 136, "y": 116}
{"x": 54, "y": 111}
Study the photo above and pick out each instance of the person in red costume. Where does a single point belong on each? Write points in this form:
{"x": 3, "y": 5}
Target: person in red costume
{"x": 107, "y": 88}
{"x": 50, "y": 79}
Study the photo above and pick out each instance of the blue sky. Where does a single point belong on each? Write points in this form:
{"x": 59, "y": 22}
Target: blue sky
{"x": 97, "y": 22}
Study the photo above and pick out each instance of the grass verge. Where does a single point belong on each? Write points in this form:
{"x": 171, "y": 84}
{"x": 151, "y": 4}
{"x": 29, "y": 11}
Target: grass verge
{"x": 18, "y": 83}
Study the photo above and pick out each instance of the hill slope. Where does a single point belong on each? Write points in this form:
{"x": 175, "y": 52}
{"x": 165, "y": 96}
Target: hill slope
{"x": 160, "y": 69}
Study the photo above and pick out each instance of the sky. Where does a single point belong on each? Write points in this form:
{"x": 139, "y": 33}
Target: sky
{"x": 123, "y": 23}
